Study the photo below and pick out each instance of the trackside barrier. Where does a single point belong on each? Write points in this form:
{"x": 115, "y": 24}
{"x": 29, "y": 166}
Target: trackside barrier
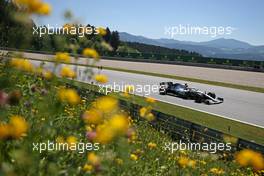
{"x": 179, "y": 129}
{"x": 247, "y": 65}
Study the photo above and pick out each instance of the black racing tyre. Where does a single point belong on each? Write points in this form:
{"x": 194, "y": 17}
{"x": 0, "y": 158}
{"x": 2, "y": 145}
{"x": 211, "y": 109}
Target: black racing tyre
{"x": 211, "y": 94}
{"x": 220, "y": 99}
{"x": 198, "y": 100}
{"x": 170, "y": 83}
{"x": 207, "y": 102}
{"x": 162, "y": 92}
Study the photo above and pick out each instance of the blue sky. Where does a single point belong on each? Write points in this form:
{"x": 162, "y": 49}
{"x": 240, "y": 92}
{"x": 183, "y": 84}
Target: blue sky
{"x": 149, "y": 18}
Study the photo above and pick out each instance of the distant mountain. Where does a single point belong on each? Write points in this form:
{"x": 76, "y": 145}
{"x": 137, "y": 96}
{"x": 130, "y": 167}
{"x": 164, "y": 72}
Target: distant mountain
{"x": 138, "y": 39}
{"x": 221, "y": 48}
{"x": 146, "y": 48}
{"x": 226, "y": 43}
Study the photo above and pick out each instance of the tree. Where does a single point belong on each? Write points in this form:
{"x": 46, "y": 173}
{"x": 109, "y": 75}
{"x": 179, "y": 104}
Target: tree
{"x": 107, "y": 36}
{"x": 13, "y": 32}
{"x": 115, "y": 40}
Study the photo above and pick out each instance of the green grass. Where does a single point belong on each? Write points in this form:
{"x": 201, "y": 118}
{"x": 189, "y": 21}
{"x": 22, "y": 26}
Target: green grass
{"x": 216, "y": 83}
{"x": 237, "y": 129}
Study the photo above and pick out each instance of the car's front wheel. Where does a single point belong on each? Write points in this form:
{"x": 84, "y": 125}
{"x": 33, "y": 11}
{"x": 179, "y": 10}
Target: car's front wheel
{"x": 207, "y": 102}
{"x": 211, "y": 94}
{"x": 162, "y": 92}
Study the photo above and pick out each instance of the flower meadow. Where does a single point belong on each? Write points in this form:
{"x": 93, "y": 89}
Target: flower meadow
{"x": 47, "y": 127}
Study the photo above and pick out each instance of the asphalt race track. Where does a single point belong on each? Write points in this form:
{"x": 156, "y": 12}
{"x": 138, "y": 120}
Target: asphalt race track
{"x": 240, "y": 105}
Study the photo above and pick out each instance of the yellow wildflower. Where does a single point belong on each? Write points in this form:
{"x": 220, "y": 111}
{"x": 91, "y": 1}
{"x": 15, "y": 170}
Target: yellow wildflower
{"x": 249, "y": 157}
{"x": 150, "y": 117}
{"x": 100, "y": 78}
{"x": 186, "y": 162}
{"x": 34, "y": 6}
{"x": 258, "y": 162}
{"x": 217, "y": 171}
{"x": 69, "y": 96}
{"x": 119, "y": 124}
{"x": 93, "y": 116}
{"x": 62, "y": 57}
{"x": 60, "y": 140}
{"x": 152, "y": 145}
{"x": 93, "y": 159}
{"x": 88, "y": 128}
{"x": 150, "y": 100}
{"x": 106, "y": 104}
{"x": 15, "y": 62}
{"x": 133, "y": 157}
{"x": 89, "y": 52}
{"x": 67, "y": 72}
{"x": 22, "y": 64}
{"x": 27, "y": 66}
{"x": 101, "y": 31}
{"x": 44, "y": 9}
{"x": 104, "y": 134}
{"x": 244, "y": 157}
{"x": 183, "y": 161}
{"x": 119, "y": 161}
{"x": 87, "y": 168}
{"x": 71, "y": 140}
{"x": 47, "y": 74}
{"x": 4, "y": 131}
{"x": 143, "y": 111}
{"x": 116, "y": 125}
{"x": 18, "y": 126}
{"x": 192, "y": 163}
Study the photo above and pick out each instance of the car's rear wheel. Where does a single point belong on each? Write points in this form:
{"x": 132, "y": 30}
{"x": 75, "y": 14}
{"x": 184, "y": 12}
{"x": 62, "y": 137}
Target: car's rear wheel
{"x": 198, "y": 100}
{"x": 163, "y": 93}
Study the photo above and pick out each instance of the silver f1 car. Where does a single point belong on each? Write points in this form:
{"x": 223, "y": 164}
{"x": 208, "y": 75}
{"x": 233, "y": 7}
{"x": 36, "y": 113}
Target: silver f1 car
{"x": 183, "y": 91}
